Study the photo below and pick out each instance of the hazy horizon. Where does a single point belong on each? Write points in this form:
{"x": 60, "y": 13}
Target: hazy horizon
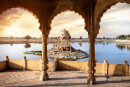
{"x": 18, "y": 22}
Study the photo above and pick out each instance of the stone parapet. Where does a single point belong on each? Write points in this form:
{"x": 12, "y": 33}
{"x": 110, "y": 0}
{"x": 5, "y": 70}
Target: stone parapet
{"x": 25, "y": 65}
{"x": 102, "y": 68}
{"x": 129, "y": 70}
{"x": 2, "y": 65}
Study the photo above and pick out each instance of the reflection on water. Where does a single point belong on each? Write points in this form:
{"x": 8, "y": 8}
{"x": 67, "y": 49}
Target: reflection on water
{"x": 27, "y": 45}
{"x": 11, "y": 44}
{"x": 80, "y": 43}
{"x": 103, "y": 51}
{"x": 121, "y": 46}
{"x": 128, "y": 47}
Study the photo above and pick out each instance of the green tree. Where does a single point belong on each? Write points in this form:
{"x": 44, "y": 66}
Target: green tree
{"x": 80, "y": 37}
{"x": 27, "y": 37}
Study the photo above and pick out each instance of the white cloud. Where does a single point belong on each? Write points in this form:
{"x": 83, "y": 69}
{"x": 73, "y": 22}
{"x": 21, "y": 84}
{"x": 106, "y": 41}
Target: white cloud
{"x": 18, "y": 22}
{"x": 70, "y": 21}
{"x": 116, "y": 21}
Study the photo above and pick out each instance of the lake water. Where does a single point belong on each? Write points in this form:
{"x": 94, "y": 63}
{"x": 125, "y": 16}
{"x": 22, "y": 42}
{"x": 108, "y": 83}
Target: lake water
{"x": 103, "y": 51}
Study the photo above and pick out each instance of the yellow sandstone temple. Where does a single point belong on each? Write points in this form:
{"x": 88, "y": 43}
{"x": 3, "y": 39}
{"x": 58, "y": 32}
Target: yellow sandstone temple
{"x": 63, "y": 44}
{"x": 63, "y": 49}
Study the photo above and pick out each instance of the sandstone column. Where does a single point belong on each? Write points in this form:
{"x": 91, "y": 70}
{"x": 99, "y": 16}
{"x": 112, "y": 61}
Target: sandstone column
{"x": 91, "y": 62}
{"x": 44, "y": 60}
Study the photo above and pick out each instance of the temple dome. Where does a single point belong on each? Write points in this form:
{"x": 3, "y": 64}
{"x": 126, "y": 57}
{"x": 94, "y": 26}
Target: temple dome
{"x": 65, "y": 33}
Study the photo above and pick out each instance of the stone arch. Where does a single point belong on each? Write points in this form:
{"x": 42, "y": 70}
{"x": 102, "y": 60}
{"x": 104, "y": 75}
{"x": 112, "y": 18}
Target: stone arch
{"x": 65, "y": 7}
{"x": 108, "y": 6}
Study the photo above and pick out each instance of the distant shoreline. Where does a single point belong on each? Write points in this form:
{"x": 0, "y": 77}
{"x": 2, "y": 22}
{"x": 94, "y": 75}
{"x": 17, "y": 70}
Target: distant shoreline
{"x": 54, "y": 40}
{"x": 123, "y": 42}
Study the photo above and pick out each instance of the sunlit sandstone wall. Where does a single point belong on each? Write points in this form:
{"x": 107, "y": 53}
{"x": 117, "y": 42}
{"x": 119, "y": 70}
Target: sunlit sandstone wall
{"x": 116, "y": 69}
{"x": 15, "y": 64}
{"x": 29, "y": 65}
{"x": 99, "y": 68}
{"x": 72, "y": 65}
{"x": 129, "y": 70}
{"x": 102, "y": 68}
{"x": 2, "y": 65}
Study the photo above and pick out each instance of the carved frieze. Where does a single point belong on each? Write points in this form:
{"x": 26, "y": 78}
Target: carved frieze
{"x": 65, "y": 6}
{"x": 99, "y": 5}
{"x": 63, "y": 0}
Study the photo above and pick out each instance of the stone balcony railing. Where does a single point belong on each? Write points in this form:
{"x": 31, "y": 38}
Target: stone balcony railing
{"x": 102, "y": 68}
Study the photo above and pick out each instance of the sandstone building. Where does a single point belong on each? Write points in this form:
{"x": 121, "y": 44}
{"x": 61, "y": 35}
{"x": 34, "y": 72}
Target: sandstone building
{"x": 46, "y": 10}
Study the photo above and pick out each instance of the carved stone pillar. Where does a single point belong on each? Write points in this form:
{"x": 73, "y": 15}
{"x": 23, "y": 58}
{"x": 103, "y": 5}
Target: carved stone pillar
{"x": 91, "y": 62}
{"x": 44, "y": 60}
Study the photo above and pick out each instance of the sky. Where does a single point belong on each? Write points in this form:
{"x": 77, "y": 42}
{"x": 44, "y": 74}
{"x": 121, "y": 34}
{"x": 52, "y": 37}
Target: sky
{"x": 19, "y": 22}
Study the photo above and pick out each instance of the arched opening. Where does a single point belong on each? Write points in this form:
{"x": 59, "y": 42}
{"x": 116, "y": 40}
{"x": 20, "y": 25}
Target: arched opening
{"x": 73, "y": 23}
{"x": 114, "y": 22}
{"x": 15, "y": 24}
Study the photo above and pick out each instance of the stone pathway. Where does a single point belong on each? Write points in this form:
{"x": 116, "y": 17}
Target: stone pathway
{"x": 18, "y": 78}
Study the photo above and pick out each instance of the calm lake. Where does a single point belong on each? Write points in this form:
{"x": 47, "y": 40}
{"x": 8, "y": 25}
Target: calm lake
{"x": 104, "y": 51}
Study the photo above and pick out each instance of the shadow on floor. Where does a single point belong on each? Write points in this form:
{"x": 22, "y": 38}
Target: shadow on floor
{"x": 107, "y": 82}
{"x": 77, "y": 84}
{"x": 58, "y": 84}
{"x": 65, "y": 78}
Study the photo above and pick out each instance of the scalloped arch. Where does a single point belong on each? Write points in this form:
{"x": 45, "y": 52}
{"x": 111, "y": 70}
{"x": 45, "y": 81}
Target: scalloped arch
{"x": 98, "y": 20}
{"x": 60, "y": 11}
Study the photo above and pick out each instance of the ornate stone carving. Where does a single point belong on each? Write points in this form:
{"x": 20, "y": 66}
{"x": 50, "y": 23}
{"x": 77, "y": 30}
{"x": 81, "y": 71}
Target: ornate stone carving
{"x": 63, "y": 6}
{"x": 63, "y": 0}
{"x": 99, "y": 5}
{"x": 127, "y": 0}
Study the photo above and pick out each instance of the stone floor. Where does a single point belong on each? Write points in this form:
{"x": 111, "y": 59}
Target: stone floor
{"x": 59, "y": 79}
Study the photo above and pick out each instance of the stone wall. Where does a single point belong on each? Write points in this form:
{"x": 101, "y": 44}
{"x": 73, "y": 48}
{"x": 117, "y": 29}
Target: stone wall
{"x": 116, "y": 69}
{"x": 99, "y": 68}
{"x": 2, "y": 65}
{"x": 102, "y": 68}
{"x": 129, "y": 69}
{"x": 29, "y": 65}
{"x": 15, "y": 64}
{"x": 72, "y": 65}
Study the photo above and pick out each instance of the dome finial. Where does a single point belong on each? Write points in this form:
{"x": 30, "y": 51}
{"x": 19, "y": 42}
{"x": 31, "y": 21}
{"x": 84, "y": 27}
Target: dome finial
{"x": 65, "y": 33}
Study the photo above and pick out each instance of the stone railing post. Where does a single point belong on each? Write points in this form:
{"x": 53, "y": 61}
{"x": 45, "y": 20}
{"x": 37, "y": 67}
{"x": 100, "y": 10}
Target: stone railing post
{"x": 56, "y": 64}
{"x": 24, "y": 63}
{"x": 129, "y": 70}
{"x": 40, "y": 63}
{"x": 126, "y": 69}
{"x": 105, "y": 67}
{"x": 44, "y": 60}
{"x": 7, "y": 62}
